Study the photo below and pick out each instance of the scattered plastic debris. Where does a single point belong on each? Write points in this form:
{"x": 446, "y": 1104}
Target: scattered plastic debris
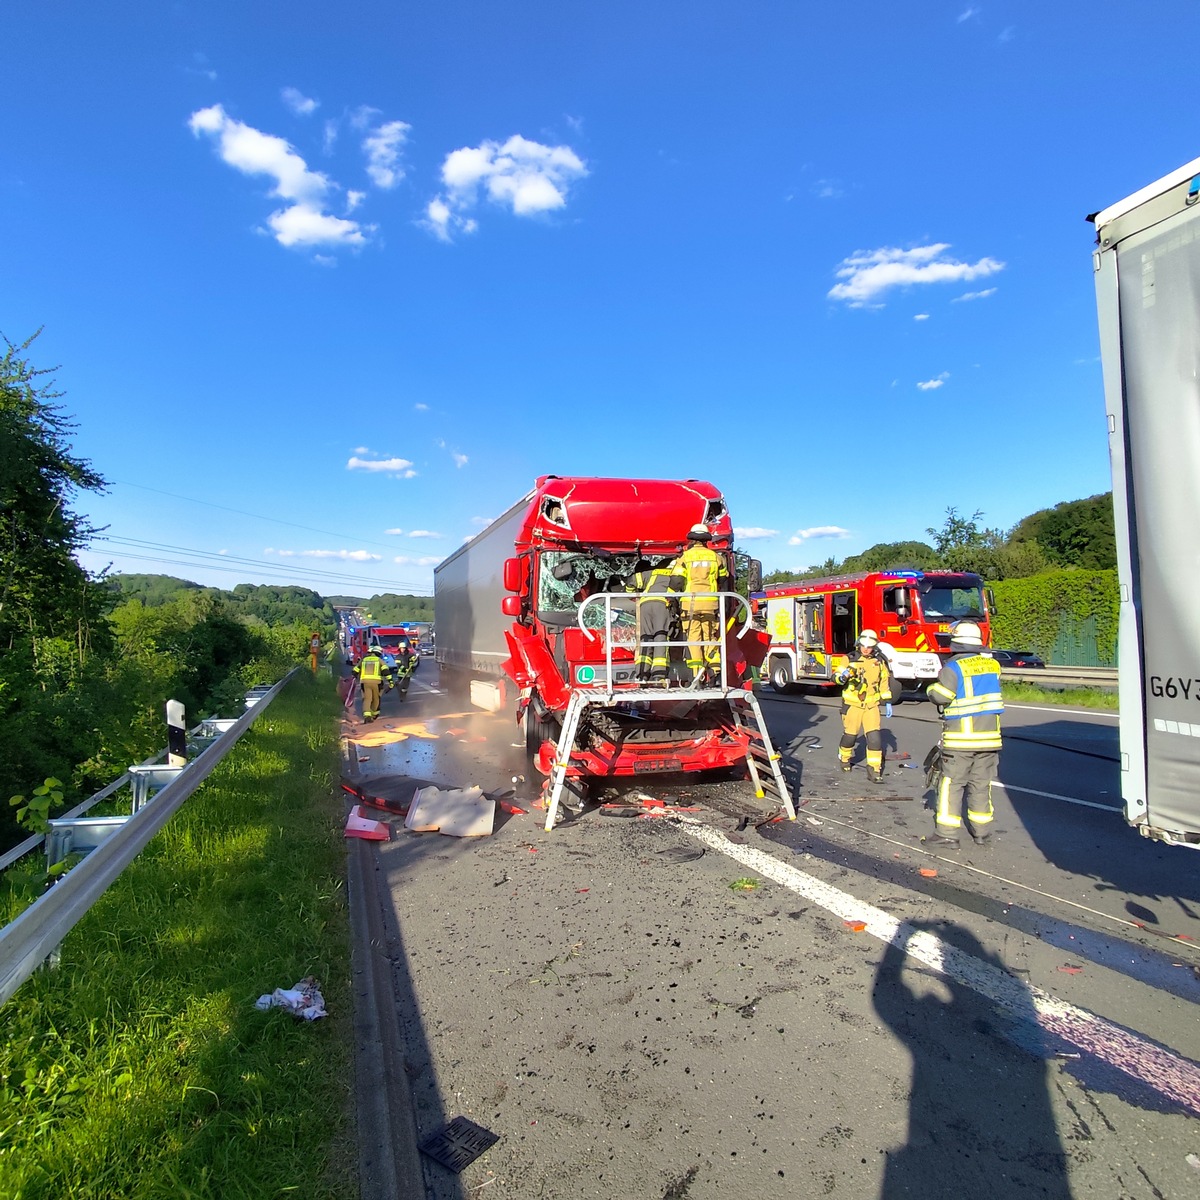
{"x": 1192, "y": 1160}
{"x": 456, "y": 812}
{"x": 367, "y": 828}
{"x": 303, "y": 1000}
{"x": 512, "y": 809}
{"x": 459, "y": 1144}
{"x": 929, "y": 872}
{"x": 579, "y": 891}
{"x": 814, "y": 821}
{"x": 855, "y": 926}
{"x": 1070, "y": 969}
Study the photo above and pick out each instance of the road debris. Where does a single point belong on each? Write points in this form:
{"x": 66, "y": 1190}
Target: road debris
{"x": 1070, "y": 969}
{"x": 744, "y": 885}
{"x": 455, "y": 812}
{"x": 929, "y": 872}
{"x": 303, "y": 1000}
{"x": 855, "y": 926}
{"x": 360, "y": 826}
{"x": 458, "y": 1144}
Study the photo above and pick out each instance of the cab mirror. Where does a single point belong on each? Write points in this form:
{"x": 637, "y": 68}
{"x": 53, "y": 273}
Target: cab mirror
{"x": 991, "y": 599}
{"x": 754, "y": 576}
{"x": 512, "y": 574}
{"x": 510, "y": 606}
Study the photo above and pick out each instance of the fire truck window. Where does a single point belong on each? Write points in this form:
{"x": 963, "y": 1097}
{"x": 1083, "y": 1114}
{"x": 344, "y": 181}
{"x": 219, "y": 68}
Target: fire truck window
{"x": 952, "y": 603}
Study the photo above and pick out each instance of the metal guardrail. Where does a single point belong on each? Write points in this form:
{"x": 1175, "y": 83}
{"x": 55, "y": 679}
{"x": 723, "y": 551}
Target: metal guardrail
{"x": 1100, "y": 677}
{"x": 33, "y": 936}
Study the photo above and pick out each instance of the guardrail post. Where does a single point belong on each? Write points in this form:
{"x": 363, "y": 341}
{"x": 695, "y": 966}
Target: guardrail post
{"x": 176, "y": 734}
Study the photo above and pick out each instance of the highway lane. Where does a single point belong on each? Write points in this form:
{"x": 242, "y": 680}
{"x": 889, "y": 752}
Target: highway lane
{"x": 631, "y": 1026}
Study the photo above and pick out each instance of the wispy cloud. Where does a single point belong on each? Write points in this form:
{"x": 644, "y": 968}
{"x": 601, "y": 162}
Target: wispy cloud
{"x": 382, "y": 147}
{"x": 303, "y": 220}
{"x": 929, "y": 385}
{"x": 460, "y": 460}
{"x": 523, "y": 176}
{"x": 749, "y": 533}
{"x": 394, "y": 532}
{"x": 425, "y": 560}
{"x": 344, "y": 555}
{"x": 1007, "y": 34}
{"x": 920, "y": 316}
{"x": 868, "y": 274}
{"x": 967, "y": 14}
{"x": 400, "y": 468}
{"x": 425, "y": 533}
{"x": 817, "y": 532}
{"x": 418, "y": 407}
{"x": 298, "y": 102}
{"x": 827, "y": 189}
{"x": 974, "y": 295}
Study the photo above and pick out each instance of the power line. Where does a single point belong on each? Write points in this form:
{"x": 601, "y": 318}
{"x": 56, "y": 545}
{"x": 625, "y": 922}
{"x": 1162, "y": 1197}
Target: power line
{"x": 255, "y": 516}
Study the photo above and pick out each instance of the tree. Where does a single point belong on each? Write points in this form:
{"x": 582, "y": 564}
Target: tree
{"x": 1076, "y": 533}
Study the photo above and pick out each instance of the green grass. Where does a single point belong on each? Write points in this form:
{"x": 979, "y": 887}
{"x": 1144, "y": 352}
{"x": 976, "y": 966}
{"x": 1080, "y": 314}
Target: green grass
{"x": 1076, "y": 697}
{"x": 140, "y": 1068}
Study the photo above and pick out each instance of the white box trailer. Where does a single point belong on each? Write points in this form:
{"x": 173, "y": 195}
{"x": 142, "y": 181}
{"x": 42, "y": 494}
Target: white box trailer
{"x": 468, "y": 588}
{"x": 1147, "y": 270}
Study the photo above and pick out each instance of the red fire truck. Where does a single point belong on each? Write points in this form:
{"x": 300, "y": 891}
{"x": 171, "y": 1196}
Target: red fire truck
{"x": 534, "y": 605}
{"x": 814, "y": 623}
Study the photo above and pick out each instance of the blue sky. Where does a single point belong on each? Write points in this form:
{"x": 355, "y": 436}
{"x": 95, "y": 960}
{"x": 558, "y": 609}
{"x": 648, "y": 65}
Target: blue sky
{"x": 368, "y": 272}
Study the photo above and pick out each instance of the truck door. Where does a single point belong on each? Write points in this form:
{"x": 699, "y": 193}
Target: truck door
{"x": 844, "y": 622}
{"x": 811, "y": 627}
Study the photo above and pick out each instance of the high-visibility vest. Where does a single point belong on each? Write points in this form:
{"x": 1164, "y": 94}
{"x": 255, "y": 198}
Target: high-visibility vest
{"x": 371, "y": 667}
{"x": 700, "y": 569}
{"x": 969, "y": 690}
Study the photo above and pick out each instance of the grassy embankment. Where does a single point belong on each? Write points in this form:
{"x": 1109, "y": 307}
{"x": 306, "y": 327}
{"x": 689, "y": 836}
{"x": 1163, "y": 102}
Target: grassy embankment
{"x": 1072, "y": 697}
{"x": 140, "y": 1068}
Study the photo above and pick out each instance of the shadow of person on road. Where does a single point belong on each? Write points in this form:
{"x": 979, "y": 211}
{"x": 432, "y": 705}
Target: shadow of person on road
{"x": 979, "y": 1122}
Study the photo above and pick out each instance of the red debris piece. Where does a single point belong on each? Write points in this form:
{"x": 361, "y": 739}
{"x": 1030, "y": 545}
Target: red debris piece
{"x": 581, "y": 890}
{"x": 455, "y": 732}
{"x": 1069, "y": 969}
{"x": 511, "y": 808}
{"x": 856, "y": 926}
{"x": 929, "y": 872}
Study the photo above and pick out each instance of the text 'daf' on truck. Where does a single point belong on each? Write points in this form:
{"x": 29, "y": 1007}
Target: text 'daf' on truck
{"x": 814, "y": 623}
{"x": 1147, "y": 270}
{"x": 542, "y": 610}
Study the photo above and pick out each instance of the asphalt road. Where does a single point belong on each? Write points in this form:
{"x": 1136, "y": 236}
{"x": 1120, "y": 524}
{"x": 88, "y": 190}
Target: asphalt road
{"x": 867, "y": 1020}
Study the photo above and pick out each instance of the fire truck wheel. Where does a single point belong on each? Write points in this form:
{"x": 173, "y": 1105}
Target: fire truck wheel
{"x": 781, "y": 676}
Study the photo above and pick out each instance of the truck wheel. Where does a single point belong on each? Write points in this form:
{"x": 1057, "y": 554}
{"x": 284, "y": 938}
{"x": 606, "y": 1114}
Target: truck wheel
{"x": 538, "y": 730}
{"x": 781, "y": 676}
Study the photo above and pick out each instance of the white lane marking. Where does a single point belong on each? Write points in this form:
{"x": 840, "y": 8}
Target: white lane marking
{"x": 1169, "y": 1074}
{"x": 1008, "y": 787}
{"x": 1068, "y": 712}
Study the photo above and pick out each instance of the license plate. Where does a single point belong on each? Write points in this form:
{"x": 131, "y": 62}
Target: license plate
{"x": 656, "y": 764}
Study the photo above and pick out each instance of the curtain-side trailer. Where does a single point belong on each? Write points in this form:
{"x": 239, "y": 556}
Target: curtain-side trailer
{"x": 1147, "y": 271}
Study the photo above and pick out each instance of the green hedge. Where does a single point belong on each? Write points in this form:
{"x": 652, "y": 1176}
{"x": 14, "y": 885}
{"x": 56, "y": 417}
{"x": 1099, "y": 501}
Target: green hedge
{"x": 1068, "y": 617}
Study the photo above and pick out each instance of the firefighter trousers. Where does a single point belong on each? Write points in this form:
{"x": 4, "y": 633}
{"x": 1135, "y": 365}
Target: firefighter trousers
{"x": 966, "y": 783}
{"x": 654, "y": 626}
{"x": 370, "y": 691}
{"x": 861, "y": 719}
{"x": 701, "y": 626}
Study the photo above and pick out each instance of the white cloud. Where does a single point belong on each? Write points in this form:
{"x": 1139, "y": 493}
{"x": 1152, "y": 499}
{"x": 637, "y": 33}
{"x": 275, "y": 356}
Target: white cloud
{"x": 222, "y": 551}
{"x": 426, "y": 560}
{"x": 817, "y": 531}
{"x": 331, "y": 136}
{"x": 366, "y": 450}
{"x": 394, "y": 532}
{"x": 868, "y": 274}
{"x": 460, "y": 460}
{"x": 523, "y": 176}
{"x": 363, "y": 115}
{"x": 325, "y": 260}
{"x": 354, "y": 199}
{"x": 967, "y": 14}
{"x": 827, "y": 189}
{"x": 748, "y": 533}
{"x": 974, "y": 295}
{"x": 420, "y": 407}
{"x": 1007, "y": 34}
{"x": 425, "y": 533}
{"x": 382, "y": 147}
{"x": 377, "y": 464}
{"x": 921, "y": 317}
{"x": 930, "y": 385}
{"x": 303, "y": 221}
{"x": 344, "y": 555}
{"x": 298, "y": 102}
{"x": 481, "y": 521}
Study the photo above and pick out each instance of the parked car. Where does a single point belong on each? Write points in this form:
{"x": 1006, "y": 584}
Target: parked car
{"x": 1019, "y": 660}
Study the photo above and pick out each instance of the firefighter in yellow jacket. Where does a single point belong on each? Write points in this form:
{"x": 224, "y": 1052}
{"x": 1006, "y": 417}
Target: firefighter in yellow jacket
{"x": 867, "y": 684}
{"x": 372, "y": 670}
{"x": 656, "y": 617}
{"x": 702, "y": 572}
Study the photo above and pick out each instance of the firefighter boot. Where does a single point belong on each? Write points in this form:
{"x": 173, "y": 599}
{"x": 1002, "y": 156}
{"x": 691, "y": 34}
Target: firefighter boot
{"x": 941, "y": 839}
{"x": 876, "y": 775}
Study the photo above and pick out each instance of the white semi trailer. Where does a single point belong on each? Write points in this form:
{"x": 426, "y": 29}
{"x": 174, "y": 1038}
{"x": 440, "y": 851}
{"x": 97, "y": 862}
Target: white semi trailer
{"x": 1147, "y": 268}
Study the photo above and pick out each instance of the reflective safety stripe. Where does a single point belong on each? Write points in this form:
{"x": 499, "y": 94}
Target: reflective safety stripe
{"x": 371, "y": 668}
{"x": 951, "y": 820}
{"x": 941, "y": 691}
{"x": 968, "y": 740}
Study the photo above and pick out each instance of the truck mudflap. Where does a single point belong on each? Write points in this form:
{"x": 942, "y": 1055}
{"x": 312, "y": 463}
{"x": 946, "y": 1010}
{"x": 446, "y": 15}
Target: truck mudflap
{"x": 530, "y": 663}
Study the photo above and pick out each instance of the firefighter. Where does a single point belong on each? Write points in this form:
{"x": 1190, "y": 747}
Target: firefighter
{"x": 657, "y": 612}
{"x": 406, "y": 663}
{"x": 867, "y": 684}
{"x": 701, "y": 571}
{"x": 968, "y": 694}
{"x": 372, "y": 672}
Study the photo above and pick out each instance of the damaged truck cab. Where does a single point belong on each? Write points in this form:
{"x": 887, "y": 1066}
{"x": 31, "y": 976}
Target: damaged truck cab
{"x": 555, "y": 569}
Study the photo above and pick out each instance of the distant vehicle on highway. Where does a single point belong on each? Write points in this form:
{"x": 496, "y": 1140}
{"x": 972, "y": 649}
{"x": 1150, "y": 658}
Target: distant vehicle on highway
{"x": 1019, "y": 660}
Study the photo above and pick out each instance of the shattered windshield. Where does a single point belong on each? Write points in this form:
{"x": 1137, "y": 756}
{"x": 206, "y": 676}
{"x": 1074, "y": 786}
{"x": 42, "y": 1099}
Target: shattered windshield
{"x": 952, "y": 603}
{"x": 584, "y": 575}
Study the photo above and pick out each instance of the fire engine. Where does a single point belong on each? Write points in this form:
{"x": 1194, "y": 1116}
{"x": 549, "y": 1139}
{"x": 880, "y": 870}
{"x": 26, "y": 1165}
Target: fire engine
{"x": 814, "y": 623}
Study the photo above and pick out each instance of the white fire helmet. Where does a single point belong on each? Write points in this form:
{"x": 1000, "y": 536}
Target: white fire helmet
{"x": 699, "y": 533}
{"x": 966, "y": 633}
{"x": 868, "y": 638}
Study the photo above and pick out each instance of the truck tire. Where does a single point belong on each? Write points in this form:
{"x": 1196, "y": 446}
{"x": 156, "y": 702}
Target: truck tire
{"x": 538, "y": 730}
{"x": 781, "y": 676}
